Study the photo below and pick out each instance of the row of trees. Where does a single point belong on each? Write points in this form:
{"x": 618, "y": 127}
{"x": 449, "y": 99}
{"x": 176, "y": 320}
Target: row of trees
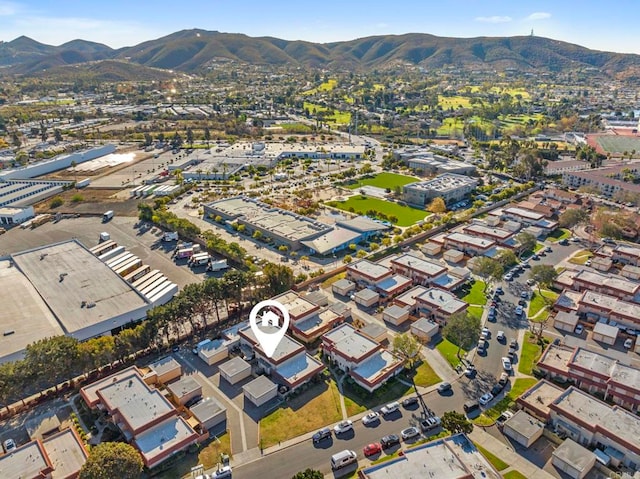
{"x": 51, "y": 361}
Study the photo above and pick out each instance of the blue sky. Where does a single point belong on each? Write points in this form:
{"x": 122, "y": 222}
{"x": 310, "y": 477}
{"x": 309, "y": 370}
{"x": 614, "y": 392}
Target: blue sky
{"x": 595, "y": 24}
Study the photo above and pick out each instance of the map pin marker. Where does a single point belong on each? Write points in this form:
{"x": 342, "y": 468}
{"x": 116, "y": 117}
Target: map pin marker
{"x": 269, "y": 328}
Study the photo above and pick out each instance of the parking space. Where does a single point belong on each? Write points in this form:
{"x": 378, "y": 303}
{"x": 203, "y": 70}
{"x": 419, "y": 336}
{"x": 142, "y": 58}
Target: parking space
{"x": 138, "y": 238}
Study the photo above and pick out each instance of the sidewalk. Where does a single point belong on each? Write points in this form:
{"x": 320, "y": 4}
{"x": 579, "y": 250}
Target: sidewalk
{"x": 440, "y": 365}
{"x": 508, "y": 455}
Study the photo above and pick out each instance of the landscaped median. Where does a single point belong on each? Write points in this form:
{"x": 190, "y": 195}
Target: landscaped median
{"x": 581, "y": 257}
{"x": 559, "y": 234}
{"x": 529, "y": 354}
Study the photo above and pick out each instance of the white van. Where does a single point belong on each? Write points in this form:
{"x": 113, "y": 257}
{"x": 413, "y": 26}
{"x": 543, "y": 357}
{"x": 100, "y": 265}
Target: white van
{"x": 342, "y": 459}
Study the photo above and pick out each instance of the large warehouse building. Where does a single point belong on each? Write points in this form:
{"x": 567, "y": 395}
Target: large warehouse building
{"x": 62, "y": 289}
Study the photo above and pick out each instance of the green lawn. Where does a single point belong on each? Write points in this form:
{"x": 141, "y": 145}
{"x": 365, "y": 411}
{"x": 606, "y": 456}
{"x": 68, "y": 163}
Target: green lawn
{"x": 495, "y": 461}
{"x": 309, "y": 411}
{"x": 529, "y": 353}
{"x": 454, "y": 102}
{"x": 449, "y": 351}
{"x": 514, "y": 475}
{"x": 559, "y": 234}
{"x": 475, "y": 311}
{"x": 581, "y": 257}
{"x": 360, "y": 204}
{"x": 384, "y": 180}
{"x": 476, "y": 294}
{"x": 539, "y": 301}
{"x": 358, "y": 400}
{"x": 425, "y": 376}
{"x": 538, "y": 247}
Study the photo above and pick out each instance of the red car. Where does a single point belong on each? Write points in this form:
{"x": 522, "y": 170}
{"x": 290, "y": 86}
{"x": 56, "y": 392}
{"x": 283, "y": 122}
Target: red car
{"x": 371, "y": 449}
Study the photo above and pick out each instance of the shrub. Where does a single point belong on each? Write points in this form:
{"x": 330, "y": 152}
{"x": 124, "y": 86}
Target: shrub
{"x": 56, "y": 202}
{"x": 77, "y": 198}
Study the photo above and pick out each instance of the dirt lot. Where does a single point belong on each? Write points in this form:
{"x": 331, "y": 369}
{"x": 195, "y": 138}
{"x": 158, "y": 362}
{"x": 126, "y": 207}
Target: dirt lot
{"x": 95, "y": 201}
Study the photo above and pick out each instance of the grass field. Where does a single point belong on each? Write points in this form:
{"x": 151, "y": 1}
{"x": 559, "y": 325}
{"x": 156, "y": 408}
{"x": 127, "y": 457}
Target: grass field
{"x": 476, "y": 311}
{"x": 618, "y": 144}
{"x": 326, "y": 86}
{"x": 529, "y": 353}
{"x": 406, "y": 215}
{"x": 476, "y": 294}
{"x": 514, "y": 475}
{"x": 456, "y": 102}
{"x": 538, "y": 302}
{"x": 384, "y": 180}
{"x": 311, "y": 410}
{"x": 358, "y": 400}
{"x": 338, "y": 117}
{"x": 495, "y": 461}
{"x": 208, "y": 456}
{"x": 449, "y": 351}
{"x": 559, "y": 234}
{"x": 425, "y": 376}
{"x": 581, "y": 257}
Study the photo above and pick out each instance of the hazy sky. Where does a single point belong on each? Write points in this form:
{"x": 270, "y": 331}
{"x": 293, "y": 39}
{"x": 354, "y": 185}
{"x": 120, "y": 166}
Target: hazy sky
{"x": 609, "y": 25}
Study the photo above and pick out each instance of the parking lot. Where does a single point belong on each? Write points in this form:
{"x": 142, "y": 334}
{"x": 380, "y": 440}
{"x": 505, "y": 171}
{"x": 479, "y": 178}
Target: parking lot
{"x": 139, "y": 239}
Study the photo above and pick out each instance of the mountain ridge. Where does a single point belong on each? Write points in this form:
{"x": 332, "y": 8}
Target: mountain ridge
{"x": 194, "y": 50}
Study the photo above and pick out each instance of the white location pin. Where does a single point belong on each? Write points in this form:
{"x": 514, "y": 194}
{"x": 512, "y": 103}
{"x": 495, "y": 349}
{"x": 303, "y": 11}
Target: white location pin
{"x": 271, "y": 328}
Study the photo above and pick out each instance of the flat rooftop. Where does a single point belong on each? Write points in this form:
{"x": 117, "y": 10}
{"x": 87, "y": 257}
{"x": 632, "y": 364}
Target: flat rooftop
{"x": 593, "y": 361}
{"x": 540, "y": 396}
{"x": 259, "y": 387}
{"x": 281, "y": 222}
{"x": 286, "y": 346}
{"x": 393, "y": 283}
{"x": 425, "y": 267}
{"x": 371, "y": 270}
{"x": 299, "y": 367}
{"x": 29, "y": 460}
{"x": 66, "y": 453}
{"x": 452, "y": 458}
{"x": 206, "y": 409}
{"x": 525, "y": 424}
{"x": 234, "y": 366}
{"x": 24, "y": 312}
{"x": 574, "y": 454}
{"x": 348, "y": 342}
{"x": 183, "y": 386}
{"x": 444, "y": 183}
{"x": 172, "y": 433}
{"x": 609, "y": 281}
{"x": 375, "y": 367}
{"x": 67, "y": 274}
{"x": 317, "y": 321}
{"x": 470, "y": 240}
{"x": 522, "y": 213}
{"x": 409, "y": 298}
{"x": 297, "y": 306}
{"x": 329, "y": 241}
{"x": 617, "y": 422}
{"x": 477, "y": 228}
{"x": 442, "y": 300}
{"x": 164, "y": 365}
{"x": 557, "y": 357}
{"x": 135, "y": 401}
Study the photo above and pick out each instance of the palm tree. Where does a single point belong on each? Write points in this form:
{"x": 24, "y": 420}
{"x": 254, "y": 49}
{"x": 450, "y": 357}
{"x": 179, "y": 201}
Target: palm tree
{"x": 73, "y": 166}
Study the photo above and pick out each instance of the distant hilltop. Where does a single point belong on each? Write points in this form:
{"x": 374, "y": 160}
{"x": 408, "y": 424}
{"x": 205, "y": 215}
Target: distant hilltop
{"x": 192, "y": 51}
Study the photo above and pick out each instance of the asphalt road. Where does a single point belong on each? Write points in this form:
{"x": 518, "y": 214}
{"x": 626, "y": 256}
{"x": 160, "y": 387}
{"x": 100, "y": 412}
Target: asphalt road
{"x": 286, "y": 462}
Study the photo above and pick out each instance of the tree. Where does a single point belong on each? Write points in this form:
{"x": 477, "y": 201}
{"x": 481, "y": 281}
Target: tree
{"x": 112, "y": 459}
{"x": 572, "y": 218}
{"x": 407, "y": 346}
{"x": 544, "y": 275}
{"x": 347, "y": 259}
{"x": 463, "y": 330}
{"x": 57, "y": 134}
{"x": 277, "y": 278}
{"x": 488, "y": 269}
{"x": 190, "y": 137}
{"x": 309, "y": 474}
{"x": 207, "y": 135}
{"x": 454, "y": 422}
{"x": 506, "y": 258}
{"x": 437, "y": 205}
{"x": 527, "y": 242}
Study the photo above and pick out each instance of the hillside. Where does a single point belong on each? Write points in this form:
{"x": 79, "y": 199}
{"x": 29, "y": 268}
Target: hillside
{"x": 194, "y": 50}
{"x": 103, "y": 71}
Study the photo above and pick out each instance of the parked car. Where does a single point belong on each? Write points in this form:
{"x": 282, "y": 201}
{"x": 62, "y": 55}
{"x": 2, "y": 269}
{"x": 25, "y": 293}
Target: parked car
{"x": 222, "y": 473}
{"x": 485, "y": 399}
{"x": 524, "y": 295}
{"x": 343, "y": 427}
{"x": 500, "y": 336}
{"x": 506, "y": 364}
{"x": 9, "y": 445}
{"x": 444, "y": 387}
{"x": 370, "y": 418}
{"x": 496, "y": 389}
{"x": 321, "y": 435}
{"x": 579, "y": 329}
{"x": 371, "y": 449}
{"x": 486, "y": 332}
{"x": 390, "y": 408}
{"x": 513, "y": 343}
{"x": 519, "y": 310}
{"x": 628, "y": 343}
{"x": 410, "y": 401}
{"x": 563, "y": 242}
{"x": 470, "y": 371}
{"x": 505, "y": 416}
{"x": 430, "y": 423}
{"x": 471, "y": 406}
{"x": 390, "y": 440}
{"x": 508, "y": 277}
{"x": 409, "y": 433}
{"x": 504, "y": 379}
{"x": 481, "y": 346}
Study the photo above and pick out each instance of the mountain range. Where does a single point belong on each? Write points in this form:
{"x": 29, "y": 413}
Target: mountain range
{"x": 192, "y": 51}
